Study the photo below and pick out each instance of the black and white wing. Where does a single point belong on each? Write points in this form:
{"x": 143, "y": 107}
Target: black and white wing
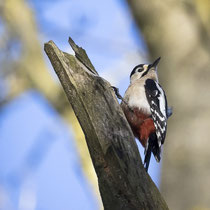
{"x": 159, "y": 109}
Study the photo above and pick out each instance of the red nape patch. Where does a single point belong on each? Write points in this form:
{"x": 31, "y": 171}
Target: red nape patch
{"x": 145, "y": 130}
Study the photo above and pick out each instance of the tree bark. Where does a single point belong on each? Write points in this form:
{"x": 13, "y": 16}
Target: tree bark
{"x": 179, "y": 32}
{"x": 123, "y": 182}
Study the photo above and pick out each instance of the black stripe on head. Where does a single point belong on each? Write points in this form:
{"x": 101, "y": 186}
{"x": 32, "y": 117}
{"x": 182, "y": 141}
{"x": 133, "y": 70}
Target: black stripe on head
{"x": 138, "y": 68}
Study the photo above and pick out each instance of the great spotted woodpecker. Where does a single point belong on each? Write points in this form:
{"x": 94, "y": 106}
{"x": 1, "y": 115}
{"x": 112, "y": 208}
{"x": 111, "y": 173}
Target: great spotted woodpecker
{"x": 145, "y": 107}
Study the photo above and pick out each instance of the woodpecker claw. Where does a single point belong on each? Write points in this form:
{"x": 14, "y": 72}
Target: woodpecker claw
{"x": 116, "y": 90}
{"x": 169, "y": 112}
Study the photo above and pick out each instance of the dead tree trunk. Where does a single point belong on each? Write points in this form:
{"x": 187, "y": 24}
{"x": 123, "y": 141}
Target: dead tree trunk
{"x": 123, "y": 182}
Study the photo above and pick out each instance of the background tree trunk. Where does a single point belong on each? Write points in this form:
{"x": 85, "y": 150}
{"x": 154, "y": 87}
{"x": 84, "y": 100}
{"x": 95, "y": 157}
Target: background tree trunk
{"x": 123, "y": 181}
{"x": 179, "y": 32}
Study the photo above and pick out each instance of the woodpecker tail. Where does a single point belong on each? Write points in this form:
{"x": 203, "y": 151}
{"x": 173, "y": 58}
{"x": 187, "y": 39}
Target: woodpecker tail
{"x": 147, "y": 157}
{"x": 152, "y": 147}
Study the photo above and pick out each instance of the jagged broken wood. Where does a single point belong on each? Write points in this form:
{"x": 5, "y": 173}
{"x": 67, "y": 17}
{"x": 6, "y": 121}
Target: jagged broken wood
{"x": 123, "y": 182}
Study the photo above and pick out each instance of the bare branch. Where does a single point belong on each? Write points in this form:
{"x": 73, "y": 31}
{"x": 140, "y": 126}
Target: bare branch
{"x": 123, "y": 182}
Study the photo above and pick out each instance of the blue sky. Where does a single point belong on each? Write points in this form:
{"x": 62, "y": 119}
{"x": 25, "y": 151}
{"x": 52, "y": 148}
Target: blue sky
{"x": 40, "y": 167}
{"x": 106, "y": 30}
{"x": 42, "y": 145}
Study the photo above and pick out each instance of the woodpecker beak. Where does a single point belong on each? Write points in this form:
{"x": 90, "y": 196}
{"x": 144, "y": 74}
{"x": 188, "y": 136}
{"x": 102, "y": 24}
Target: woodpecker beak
{"x": 155, "y": 63}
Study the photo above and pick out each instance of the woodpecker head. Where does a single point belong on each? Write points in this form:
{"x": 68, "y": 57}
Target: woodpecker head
{"x": 145, "y": 71}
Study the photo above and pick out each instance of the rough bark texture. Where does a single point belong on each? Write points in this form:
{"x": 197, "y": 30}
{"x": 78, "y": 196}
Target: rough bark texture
{"x": 179, "y": 32}
{"x": 123, "y": 182}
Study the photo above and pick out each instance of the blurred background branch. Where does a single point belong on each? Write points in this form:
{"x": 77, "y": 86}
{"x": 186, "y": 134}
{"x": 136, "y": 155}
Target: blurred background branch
{"x": 180, "y": 33}
{"x": 23, "y": 68}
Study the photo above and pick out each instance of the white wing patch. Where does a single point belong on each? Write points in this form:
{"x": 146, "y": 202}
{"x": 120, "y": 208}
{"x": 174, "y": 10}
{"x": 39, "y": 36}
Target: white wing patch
{"x": 162, "y": 101}
{"x": 158, "y": 106}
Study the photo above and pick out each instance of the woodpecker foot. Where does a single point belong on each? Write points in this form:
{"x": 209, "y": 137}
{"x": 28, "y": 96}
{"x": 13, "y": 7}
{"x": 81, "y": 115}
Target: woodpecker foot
{"x": 116, "y": 90}
{"x": 169, "y": 112}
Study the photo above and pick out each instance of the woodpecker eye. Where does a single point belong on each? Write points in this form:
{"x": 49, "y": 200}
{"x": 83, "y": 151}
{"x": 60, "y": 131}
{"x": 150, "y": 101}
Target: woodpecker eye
{"x": 140, "y": 69}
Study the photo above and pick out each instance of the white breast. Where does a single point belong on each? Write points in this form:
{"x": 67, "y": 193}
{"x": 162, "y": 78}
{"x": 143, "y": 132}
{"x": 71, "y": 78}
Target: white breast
{"x": 135, "y": 97}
